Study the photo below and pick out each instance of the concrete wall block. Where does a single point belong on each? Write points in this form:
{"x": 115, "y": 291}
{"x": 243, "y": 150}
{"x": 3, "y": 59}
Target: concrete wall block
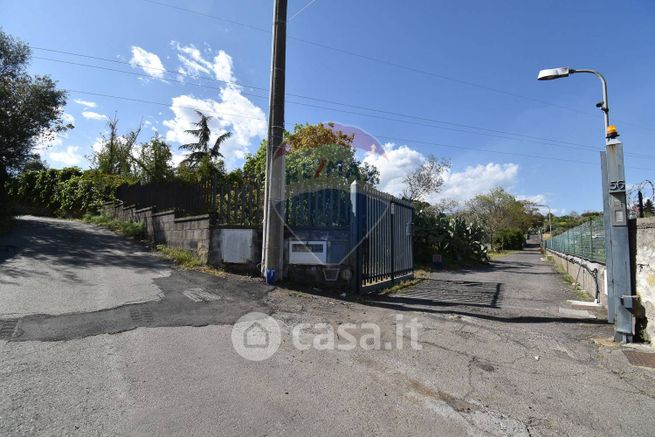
{"x": 645, "y": 271}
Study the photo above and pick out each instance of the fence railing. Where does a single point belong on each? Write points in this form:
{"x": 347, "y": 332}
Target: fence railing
{"x": 188, "y": 198}
{"x": 309, "y": 204}
{"x": 318, "y": 204}
{"x": 585, "y": 241}
{"x": 237, "y": 204}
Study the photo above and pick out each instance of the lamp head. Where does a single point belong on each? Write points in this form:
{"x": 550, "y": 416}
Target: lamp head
{"x": 554, "y": 73}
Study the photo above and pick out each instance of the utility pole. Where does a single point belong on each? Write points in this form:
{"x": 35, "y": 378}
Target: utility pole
{"x": 274, "y": 192}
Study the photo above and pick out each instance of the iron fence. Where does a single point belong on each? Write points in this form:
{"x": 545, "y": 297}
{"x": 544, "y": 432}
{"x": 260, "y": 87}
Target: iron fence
{"x": 383, "y": 237}
{"x": 585, "y": 241}
{"x": 309, "y": 204}
{"x": 236, "y": 204}
{"x": 318, "y": 204}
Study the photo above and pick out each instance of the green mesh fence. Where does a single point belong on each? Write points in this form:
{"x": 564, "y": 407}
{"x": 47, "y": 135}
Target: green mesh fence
{"x": 585, "y": 241}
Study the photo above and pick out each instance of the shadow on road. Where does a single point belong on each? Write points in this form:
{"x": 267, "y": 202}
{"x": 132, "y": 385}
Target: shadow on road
{"x": 61, "y": 244}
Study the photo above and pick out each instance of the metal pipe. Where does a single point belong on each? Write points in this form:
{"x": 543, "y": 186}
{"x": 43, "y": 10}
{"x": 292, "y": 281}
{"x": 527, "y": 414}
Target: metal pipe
{"x": 605, "y": 105}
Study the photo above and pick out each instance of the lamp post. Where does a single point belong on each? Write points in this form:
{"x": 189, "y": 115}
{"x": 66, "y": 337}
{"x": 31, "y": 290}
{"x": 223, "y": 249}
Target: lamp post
{"x": 558, "y": 73}
{"x": 550, "y": 223}
{"x": 620, "y": 298}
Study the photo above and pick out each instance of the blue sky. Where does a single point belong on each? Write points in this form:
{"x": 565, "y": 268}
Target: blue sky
{"x": 463, "y": 74}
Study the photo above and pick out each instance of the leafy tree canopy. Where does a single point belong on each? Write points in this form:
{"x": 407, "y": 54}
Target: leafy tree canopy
{"x": 499, "y": 210}
{"x": 32, "y": 106}
{"x": 315, "y": 152}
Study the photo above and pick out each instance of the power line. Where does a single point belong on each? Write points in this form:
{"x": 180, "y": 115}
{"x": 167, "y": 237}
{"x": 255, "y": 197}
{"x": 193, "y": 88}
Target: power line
{"x": 382, "y": 111}
{"x": 523, "y": 137}
{"x": 387, "y": 62}
{"x": 405, "y": 140}
{"x": 501, "y": 134}
{"x": 525, "y": 155}
{"x": 151, "y": 102}
{"x": 302, "y": 9}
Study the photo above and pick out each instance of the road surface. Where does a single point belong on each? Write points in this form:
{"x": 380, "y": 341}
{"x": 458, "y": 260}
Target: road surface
{"x": 102, "y": 337}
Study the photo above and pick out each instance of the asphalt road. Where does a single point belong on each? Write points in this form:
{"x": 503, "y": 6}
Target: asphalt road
{"x": 498, "y": 355}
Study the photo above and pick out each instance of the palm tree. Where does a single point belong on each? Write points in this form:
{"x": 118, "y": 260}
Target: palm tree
{"x": 201, "y": 150}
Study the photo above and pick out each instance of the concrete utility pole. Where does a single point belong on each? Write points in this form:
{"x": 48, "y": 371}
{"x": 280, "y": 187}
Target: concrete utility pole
{"x": 273, "y": 244}
{"x": 620, "y": 296}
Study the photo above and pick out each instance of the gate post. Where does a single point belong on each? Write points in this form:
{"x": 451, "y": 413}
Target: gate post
{"x": 357, "y": 212}
{"x": 392, "y": 211}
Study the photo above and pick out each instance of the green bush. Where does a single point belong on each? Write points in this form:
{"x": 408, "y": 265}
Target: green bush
{"x": 457, "y": 240}
{"x": 509, "y": 239}
{"x": 134, "y": 230}
{"x": 65, "y": 192}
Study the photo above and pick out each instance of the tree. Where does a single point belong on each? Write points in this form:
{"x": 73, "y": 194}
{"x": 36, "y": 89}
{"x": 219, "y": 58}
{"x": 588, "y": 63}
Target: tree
{"x": 154, "y": 161}
{"x": 115, "y": 154}
{"x": 315, "y": 152}
{"x": 33, "y": 163}
{"x": 426, "y": 179}
{"x": 31, "y": 107}
{"x": 254, "y": 168}
{"x": 203, "y": 157}
{"x": 499, "y": 210}
{"x": 649, "y": 208}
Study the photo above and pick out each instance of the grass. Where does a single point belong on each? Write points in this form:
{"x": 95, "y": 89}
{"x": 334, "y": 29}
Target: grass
{"x": 134, "y": 230}
{"x": 495, "y": 256}
{"x": 579, "y": 292}
{"x": 187, "y": 260}
{"x": 181, "y": 257}
{"x": 400, "y": 286}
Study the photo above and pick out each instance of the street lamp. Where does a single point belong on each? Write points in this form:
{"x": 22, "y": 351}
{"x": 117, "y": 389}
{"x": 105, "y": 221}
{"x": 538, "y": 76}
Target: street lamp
{"x": 620, "y": 300}
{"x": 558, "y": 73}
{"x": 550, "y": 223}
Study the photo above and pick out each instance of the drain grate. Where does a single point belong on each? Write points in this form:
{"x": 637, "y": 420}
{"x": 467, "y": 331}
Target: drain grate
{"x": 141, "y": 315}
{"x": 8, "y": 328}
{"x": 643, "y": 359}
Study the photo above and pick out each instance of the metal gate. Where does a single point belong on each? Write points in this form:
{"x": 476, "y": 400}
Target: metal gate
{"x": 383, "y": 231}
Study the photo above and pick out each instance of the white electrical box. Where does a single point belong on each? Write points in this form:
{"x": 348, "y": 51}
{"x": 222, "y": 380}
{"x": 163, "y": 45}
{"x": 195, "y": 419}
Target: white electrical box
{"x": 308, "y": 252}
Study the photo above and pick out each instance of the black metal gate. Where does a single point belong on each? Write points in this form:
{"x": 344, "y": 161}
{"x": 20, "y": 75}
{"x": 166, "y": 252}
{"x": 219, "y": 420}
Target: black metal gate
{"x": 383, "y": 229}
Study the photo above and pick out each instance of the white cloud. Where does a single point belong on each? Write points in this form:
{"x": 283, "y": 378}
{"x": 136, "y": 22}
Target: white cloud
{"x": 474, "y": 180}
{"x": 394, "y": 165}
{"x": 539, "y": 199}
{"x": 148, "y": 62}
{"x": 97, "y": 146}
{"x": 67, "y": 157}
{"x": 399, "y": 161}
{"x": 90, "y": 115}
{"x": 222, "y": 67}
{"x": 85, "y": 103}
{"x": 67, "y": 118}
{"x": 193, "y": 63}
{"x": 231, "y": 112}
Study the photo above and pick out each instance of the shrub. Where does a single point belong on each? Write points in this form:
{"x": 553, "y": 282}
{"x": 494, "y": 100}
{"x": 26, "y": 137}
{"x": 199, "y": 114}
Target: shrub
{"x": 457, "y": 240}
{"x": 66, "y": 192}
{"x": 509, "y": 239}
{"x": 130, "y": 229}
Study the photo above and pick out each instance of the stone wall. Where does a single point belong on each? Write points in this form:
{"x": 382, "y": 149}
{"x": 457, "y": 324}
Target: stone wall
{"x": 645, "y": 271}
{"x": 240, "y": 249}
{"x": 194, "y": 234}
{"x": 588, "y": 275}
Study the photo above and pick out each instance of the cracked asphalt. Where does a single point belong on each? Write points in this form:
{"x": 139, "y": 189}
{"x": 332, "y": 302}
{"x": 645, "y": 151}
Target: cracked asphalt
{"x": 109, "y": 339}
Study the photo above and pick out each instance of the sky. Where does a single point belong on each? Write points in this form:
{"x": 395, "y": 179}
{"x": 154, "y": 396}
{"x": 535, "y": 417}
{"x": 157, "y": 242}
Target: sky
{"x": 454, "y": 79}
